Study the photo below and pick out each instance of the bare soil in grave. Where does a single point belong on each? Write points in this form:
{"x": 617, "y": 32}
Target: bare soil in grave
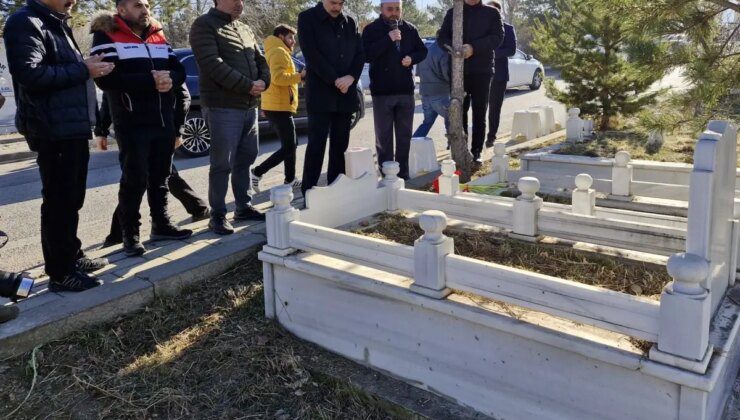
{"x": 612, "y": 273}
{"x": 677, "y": 147}
{"x": 208, "y": 353}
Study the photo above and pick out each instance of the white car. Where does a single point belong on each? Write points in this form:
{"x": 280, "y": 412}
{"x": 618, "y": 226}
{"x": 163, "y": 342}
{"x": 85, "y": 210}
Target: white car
{"x": 525, "y": 70}
{"x": 7, "y": 112}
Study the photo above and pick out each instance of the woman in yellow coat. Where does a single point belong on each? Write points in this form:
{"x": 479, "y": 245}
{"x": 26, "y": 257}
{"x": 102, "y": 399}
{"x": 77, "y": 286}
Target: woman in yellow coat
{"x": 280, "y": 102}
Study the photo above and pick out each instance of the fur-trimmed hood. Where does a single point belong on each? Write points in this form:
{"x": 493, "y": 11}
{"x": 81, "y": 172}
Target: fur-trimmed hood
{"x": 110, "y": 22}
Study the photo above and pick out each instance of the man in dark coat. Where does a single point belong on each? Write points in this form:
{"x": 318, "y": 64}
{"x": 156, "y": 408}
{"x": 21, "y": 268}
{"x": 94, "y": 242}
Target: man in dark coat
{"x": 233, "y": 75}
{"x": 332, "y": 47}
{"x": 500, "y": 77}
{"x": 179, "y": 188}
{"x": 56, "y": 104}
{"x": 483, "y": 32}
{"x": 392, "y": 47}
{"x": 142, "y": 105}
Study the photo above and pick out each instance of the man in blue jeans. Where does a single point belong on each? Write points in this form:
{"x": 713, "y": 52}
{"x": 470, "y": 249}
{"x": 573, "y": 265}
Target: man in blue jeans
{"x": 233, "y": 74}
{"x": 434, "y": 73}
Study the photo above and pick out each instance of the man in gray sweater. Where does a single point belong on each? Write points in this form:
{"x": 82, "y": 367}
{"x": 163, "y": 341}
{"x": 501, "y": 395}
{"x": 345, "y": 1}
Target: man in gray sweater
{"x": 434, "y": 87}
{"x": 233, "y": 75}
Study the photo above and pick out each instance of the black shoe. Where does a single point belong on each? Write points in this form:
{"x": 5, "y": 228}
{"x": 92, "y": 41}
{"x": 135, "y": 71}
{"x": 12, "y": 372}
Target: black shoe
{"x": 202, "y": 215}
{"x": 169, "y": 231}
{"x": 248, "y": 213}
{"x": 75, "y": 282}
{"x": 220, "y": 226}
{"x": 111, "y": 241}
{"x": 489, "y": 142}
{"x": 88, "y": 265}
{"x": 7, "y": 313}
{"x": 132, "y": 246}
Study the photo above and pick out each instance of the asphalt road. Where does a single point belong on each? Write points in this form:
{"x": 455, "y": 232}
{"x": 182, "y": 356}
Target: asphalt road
{"x": 20, "y": 187}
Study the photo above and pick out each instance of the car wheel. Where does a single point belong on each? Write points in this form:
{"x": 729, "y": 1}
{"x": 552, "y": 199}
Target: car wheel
{"x": 357, "y": 116}
{"x": 196, "y": 139}
{"x": 536, "y": 80}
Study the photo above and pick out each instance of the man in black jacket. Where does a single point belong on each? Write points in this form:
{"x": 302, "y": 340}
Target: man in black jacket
{"x": 55, "y": 101}
{"x": 179, "y": 188}
{"x": 332, "y": 47}
{"x": 483, "y": 32}
{"x": 392, "y": 47}
{"x": 141, "y": 103}
{"x": 500, "y": 77}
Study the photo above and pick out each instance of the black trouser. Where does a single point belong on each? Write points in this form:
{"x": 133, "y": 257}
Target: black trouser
{"x": 477, "y": 87}
{"x": 145, "y": 154}
{"x": 182, "y": 192}
{"x": 284, "y": 126}
{"x": 495, "y": 102}
{"x": 336, "y": 126}
{"x": 63, "y": 169}
{"x": 394, "y": 113}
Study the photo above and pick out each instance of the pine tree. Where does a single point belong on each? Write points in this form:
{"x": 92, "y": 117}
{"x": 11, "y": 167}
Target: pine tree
{"x": 607, "y": 66}
{"x": 705, "y": 47}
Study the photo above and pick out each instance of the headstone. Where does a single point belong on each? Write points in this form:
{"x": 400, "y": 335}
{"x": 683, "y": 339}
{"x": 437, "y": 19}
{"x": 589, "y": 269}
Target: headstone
{"x": 358, "y": 161}
{"x": 711, "y": 204}
{"x": 574, "y": 126}
{"x": 422, "y": 157}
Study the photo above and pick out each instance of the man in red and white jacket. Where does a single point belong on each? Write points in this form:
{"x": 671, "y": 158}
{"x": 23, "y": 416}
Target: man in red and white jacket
{"x": 141, "y": 102}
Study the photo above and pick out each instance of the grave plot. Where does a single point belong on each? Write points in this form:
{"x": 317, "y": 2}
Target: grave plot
{"x": 391, "y": 306}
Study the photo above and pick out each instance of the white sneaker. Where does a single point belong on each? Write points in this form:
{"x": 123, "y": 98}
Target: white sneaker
{"x": 295, "y": 184}
{"x": 255, "y": 180}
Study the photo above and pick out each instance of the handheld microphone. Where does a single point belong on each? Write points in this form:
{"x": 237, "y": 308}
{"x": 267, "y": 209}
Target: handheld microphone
{"x": 394, "y": 26}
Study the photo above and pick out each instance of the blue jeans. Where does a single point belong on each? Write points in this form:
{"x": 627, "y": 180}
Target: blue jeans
{"x": 433, "y": 106}
{"x": 234, "y": 148}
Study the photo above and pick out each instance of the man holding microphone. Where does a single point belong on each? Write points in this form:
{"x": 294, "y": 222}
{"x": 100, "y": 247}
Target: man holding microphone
{"x": 392, "y": 47}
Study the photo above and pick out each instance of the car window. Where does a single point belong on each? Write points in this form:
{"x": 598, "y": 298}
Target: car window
{"x": 191, "y": 69}
{"x": 520, "y": 55}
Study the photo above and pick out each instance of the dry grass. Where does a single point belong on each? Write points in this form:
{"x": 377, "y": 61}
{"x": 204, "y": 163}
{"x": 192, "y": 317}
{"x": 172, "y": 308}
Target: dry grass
{"x": 678, "y": 147}
{"x": 584, "y": 267}
{"x": 208, "y": 353}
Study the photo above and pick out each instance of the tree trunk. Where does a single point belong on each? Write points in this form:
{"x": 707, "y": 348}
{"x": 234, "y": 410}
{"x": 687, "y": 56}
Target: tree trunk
{"x": 457, "y": 137}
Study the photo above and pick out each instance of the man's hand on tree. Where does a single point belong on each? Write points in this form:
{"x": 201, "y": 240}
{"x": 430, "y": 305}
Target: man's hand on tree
{"x": 468, "y": 51}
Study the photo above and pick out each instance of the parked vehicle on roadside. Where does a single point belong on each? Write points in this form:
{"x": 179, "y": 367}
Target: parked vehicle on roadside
{"x": 196, "y": 139}
{"x": 524, "y": 70}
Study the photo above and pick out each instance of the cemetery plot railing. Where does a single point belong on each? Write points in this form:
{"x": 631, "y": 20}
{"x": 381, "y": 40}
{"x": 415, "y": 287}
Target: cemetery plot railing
{"x": 614, "y": 311}
{"x": 376, "y": 253}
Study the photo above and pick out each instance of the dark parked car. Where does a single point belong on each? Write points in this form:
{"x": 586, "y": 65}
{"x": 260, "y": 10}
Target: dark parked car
{"x": 196, "y": 140}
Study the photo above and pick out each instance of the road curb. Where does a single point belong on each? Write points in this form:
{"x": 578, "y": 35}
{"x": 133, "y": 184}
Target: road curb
{"x": 130, "y": 284}
{"x": 17, "y": 156}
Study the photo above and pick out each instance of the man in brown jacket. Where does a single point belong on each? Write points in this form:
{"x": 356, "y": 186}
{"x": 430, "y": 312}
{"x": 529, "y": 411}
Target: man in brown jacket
{"x": 233, "y": 74}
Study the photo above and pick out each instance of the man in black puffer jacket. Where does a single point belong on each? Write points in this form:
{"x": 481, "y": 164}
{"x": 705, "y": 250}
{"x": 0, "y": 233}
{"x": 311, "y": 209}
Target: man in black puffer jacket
{"x": 483, "y": 32}
{"x": 56, "y": 105}
{"x": 142, "y": 102}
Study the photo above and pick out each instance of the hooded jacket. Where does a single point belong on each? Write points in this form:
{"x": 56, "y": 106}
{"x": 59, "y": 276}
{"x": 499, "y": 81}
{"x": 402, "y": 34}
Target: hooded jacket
{"x": 282, "y": 95}
{"x": 132, "y": 94}
{"x": 49, "y": 78}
